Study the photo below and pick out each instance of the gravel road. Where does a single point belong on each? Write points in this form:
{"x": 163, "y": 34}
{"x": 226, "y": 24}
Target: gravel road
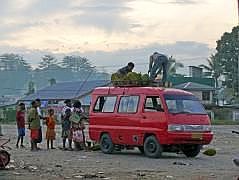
{"x": 131, "y": 164}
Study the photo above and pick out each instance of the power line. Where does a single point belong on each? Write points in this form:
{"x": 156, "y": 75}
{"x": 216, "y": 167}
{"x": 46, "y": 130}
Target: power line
{"x": 94, "y": 67}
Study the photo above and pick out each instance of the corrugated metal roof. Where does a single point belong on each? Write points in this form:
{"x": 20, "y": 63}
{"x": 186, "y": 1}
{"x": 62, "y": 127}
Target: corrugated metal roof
{"x": 181, "y": 80}
{"x": 194, "y": 86}
{"x": 8, "y": 100}
{"x": 66, "y": 90}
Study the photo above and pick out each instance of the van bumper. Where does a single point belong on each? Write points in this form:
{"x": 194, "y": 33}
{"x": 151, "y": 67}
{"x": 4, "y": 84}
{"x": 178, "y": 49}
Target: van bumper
{"x": 202, "y": 138}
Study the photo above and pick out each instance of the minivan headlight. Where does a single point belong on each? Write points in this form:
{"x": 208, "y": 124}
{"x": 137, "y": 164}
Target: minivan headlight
{"x": 189, "y": 128}
{"x": 207, "y": 128}
{"x": 175, "y": 127}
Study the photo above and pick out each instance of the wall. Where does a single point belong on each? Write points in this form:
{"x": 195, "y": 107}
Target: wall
{"x": 198, "y": 94}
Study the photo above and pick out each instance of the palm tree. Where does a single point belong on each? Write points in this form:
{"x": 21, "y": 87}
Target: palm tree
{"x": 173, "y": 66}
{"x": 214, "y": 67}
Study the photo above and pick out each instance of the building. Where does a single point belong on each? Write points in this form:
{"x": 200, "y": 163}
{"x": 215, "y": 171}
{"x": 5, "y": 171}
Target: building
{"x": 203, "y": 92}
{"x": 8, "y": 107}
{"x": 55, "y": 95}
{"x": 195, "y": 71}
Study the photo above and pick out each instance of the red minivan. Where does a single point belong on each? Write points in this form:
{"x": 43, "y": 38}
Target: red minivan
{"x": 153, "y": 119}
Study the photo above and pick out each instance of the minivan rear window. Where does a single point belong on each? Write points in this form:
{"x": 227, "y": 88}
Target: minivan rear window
{"x": 128, "y": 104}
{"x": 187, "y": 104}
{"x": 105, "y": 104}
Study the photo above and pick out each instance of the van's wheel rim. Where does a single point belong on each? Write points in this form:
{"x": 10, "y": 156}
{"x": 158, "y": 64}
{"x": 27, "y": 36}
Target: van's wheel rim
{"x": 105, "y": 143}
{"x": 4, "y": 159}
{"x": 151, "y": 146}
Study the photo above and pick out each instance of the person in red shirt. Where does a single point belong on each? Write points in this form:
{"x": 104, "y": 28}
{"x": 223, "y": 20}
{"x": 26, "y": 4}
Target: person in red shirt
{"x": 20, "y": 118}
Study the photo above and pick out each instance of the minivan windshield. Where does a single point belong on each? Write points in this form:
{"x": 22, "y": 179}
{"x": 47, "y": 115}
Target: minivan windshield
{"x": 183, "y": 104}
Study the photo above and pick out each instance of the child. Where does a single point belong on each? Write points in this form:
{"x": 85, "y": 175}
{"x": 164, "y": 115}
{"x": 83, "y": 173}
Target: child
{"x": 50, "y": 132}
{"x": 20, "y": 117}
{"x": 66, "y": 129}
{"x": 78, "y": 126}
{"x": 34, "y": 125}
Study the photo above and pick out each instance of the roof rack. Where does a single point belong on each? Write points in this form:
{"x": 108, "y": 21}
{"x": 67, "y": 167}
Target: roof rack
{"x": 155, "y": 83}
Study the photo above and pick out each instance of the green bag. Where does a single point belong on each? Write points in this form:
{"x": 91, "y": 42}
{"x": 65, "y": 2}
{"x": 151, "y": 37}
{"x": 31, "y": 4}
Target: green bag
{"x": 76, "y": 118}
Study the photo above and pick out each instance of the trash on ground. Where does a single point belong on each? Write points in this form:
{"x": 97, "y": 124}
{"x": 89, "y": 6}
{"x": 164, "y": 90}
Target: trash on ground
{"x": 210, "y": 152}
{"x": 58, "y": 165}
{"x": 236, "y": 161}
{"x": 96, "y": 147}
{"x": 169, "y": 177}
{"x": 181, "y": 163}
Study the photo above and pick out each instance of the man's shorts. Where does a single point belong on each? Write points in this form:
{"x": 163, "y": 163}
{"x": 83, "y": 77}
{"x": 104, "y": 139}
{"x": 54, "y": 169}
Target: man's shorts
{"x": 21, "y": 131}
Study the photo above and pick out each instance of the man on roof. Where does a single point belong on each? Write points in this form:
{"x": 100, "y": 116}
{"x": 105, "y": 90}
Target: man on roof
{"x": 125, "y": 70}
{"x": 157, "y": 62}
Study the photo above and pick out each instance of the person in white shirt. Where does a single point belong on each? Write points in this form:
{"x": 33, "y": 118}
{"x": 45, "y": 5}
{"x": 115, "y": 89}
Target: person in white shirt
{"x": 68, "y": 105}
{"x": 38, "y": 101}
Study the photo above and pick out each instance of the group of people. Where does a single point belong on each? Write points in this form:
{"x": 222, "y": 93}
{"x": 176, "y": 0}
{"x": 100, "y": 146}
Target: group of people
{"x": 71, "y": 120}
{"x": 157, "y": 63}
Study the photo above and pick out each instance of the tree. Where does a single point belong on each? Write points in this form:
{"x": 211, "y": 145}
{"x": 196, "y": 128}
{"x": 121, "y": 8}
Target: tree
{"x": 13, "y": 62}
{"x": 52, "y": 81}
{"x": 214, "y": 66}
{"x": 173, "y": 66}
{"x": 76, "y": 63}
{"x": 48, "y": 62}
{"x": 14, "y": 74}
{"x": 227, "y": 54}
{"x": 31, "y": 88}
{"x": 80, "y": 67}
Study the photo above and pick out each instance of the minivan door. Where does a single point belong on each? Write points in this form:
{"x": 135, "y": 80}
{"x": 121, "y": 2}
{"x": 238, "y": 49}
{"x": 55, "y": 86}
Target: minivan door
{"x": 153, "y": 115}
{"x": 128, "y": 119}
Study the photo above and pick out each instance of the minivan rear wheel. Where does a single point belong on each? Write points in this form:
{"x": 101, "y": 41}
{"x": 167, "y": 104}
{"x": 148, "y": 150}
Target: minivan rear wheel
{"x": 152, "y": 148}
{"x": 191, "y": 150}
{"x": 106, "y": 144}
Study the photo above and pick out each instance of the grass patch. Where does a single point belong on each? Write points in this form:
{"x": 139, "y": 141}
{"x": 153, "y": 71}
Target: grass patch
{"x": 224, "y": 122}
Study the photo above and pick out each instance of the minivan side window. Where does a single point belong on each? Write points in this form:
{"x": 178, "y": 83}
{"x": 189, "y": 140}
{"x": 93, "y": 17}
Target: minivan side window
{"x": 128, "y": 104}
{"x": 153, "y": 104}
{"x": 105, "y": 104}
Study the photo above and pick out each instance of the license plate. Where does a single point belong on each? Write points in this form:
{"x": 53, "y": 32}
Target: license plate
{"x": 197, "y": 136}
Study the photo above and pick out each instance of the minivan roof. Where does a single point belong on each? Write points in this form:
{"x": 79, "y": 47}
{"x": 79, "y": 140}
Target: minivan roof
{"x": 137, "y": 90}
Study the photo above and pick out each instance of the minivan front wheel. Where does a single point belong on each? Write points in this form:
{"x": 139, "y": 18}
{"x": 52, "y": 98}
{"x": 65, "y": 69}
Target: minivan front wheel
{"x": 191, "y": 150}
{"x": 106, "y": 144}
{"x": 152, "y": 148}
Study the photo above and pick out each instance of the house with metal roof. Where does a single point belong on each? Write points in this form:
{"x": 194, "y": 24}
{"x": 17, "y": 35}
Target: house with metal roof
{"x": 54, "y": 96}
{"x": 66, "y": 90}
{"x": 202, "y": 91}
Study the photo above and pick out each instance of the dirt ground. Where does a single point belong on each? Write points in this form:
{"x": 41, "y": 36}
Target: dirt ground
{"x": 58, "y": 164}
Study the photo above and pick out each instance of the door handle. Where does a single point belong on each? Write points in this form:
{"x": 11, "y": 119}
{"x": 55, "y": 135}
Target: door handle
{"x": 144, "y": 117}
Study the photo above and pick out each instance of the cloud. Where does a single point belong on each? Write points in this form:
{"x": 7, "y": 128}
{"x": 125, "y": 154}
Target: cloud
{"x": 109, "y": 15}
{"x": 183, "y": 2}
{"x": 177, "y": 2}
{"x": 187, "y": 52}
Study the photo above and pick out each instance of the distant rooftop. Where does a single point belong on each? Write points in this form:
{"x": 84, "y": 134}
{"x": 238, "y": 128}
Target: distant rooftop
{"x": 8, "y": 100}
{"x": 66, "y": 90}
{"x": 194, "y": 86}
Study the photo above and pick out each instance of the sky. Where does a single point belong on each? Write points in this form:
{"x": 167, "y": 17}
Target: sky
{"x": 113, "y": 32}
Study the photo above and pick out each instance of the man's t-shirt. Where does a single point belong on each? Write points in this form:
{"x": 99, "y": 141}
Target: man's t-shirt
{"x": 40, "y": 115}
{"x": 20, "y": 117}
{"x": 124, "y": 71}
{"x": 33, "y": 119}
